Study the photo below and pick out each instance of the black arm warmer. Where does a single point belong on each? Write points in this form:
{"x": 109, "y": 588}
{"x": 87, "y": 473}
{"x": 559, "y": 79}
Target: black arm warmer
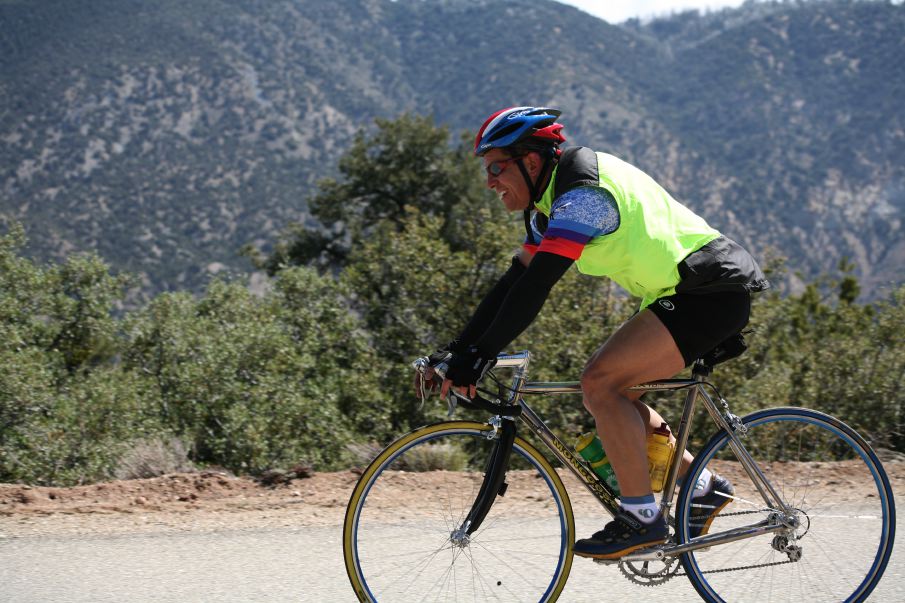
{"x": 524, "y": 300}
{"x": 488, "y": 307}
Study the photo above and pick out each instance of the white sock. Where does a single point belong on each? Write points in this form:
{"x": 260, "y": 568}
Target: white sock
{"x": 644, "y": 508}
{"x": 703, "y": 485}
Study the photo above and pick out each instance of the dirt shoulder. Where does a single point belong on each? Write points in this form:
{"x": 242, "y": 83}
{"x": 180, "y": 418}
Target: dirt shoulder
{"x": 207, "y": 500}
{"x": 211, "y": 501}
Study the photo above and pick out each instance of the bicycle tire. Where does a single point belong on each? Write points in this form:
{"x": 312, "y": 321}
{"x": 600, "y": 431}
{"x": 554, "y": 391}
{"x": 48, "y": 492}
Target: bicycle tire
{"x": 829, "y": 474}
{"x": 395, "y": 551}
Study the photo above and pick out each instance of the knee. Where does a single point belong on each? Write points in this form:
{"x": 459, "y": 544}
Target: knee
{"x": 596, "y": 378}
{"x": 600, "y": 390}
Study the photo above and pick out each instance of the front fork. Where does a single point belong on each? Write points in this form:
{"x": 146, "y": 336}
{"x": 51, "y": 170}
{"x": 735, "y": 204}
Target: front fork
{"x": 494, "y": 483}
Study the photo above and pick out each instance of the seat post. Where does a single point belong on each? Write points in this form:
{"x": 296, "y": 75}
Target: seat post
{"x": 701, "y": 369}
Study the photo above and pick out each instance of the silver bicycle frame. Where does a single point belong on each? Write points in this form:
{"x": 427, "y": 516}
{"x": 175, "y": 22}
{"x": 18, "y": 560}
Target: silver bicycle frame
{"x": 520, "y": 386}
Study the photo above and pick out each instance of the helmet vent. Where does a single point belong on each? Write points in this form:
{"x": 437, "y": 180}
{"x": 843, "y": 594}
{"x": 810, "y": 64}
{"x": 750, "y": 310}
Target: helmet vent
{"x": 504, "y": 131}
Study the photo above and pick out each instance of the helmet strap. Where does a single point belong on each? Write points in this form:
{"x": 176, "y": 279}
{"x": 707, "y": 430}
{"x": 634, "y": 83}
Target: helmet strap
{"x": 529, "y": 232}
{"x": 533, "y": 190}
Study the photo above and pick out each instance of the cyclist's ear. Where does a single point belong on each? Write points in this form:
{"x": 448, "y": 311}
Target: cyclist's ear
{"x": 534, "y": 163}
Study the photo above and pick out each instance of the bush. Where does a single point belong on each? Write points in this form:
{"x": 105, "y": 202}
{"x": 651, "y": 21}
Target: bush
{"x": 64, "y": 406}
{"x": 255, "y": 383}
{"x": 73, "y": 433}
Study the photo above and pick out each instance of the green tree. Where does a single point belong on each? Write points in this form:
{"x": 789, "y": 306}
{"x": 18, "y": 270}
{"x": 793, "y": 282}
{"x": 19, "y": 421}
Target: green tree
{"x": 414, "y": 292}
{"x": 406, "y": 162}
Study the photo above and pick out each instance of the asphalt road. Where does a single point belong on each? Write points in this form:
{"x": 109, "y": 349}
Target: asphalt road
{"x": 241, "y": 565}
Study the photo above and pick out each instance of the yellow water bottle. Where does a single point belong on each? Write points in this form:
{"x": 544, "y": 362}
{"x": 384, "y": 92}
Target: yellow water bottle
{"x": 590, "y": 448}
{"x": 659, "y": 454}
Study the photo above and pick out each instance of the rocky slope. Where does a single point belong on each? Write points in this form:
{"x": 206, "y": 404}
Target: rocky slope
{"x": 165, "y": 136}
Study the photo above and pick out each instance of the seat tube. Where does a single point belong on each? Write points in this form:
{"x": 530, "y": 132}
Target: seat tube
{"x": 681, "y": 442}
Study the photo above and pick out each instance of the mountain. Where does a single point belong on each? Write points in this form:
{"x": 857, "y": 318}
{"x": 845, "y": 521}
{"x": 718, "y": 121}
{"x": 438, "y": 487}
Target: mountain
{"x": 165, "y": 135}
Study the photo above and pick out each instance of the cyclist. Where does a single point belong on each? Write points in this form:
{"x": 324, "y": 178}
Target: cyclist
{"x": 609, "y": 219}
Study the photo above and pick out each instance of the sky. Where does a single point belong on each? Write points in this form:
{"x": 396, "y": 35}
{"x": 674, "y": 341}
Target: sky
{"x": 617, "y": 11}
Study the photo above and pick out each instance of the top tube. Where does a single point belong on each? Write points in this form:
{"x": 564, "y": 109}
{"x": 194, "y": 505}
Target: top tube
{"x": 574, "y": 387}
{"x": 519, "y": 360}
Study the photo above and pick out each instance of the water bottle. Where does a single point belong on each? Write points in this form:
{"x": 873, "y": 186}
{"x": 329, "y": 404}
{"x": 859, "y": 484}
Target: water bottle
{"x": 659, "y": 454}
{"x": 590, "y": 448}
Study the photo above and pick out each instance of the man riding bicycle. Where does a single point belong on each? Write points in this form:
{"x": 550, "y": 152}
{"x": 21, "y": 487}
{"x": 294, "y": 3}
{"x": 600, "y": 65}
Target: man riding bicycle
{"x": 609, "y": 219}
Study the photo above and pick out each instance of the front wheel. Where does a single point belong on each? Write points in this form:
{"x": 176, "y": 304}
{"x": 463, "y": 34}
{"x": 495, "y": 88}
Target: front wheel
{"x": 402, "y": 537}
{"x": 843, "y": 513}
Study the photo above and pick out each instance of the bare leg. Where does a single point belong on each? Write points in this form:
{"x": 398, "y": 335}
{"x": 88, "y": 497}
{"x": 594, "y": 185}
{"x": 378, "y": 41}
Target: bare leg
{"x": 641, "y": 350}
{"x": 652, "y": 420}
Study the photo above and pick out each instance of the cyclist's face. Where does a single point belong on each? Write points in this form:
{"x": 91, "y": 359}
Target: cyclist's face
{"x": 506, "y": 180}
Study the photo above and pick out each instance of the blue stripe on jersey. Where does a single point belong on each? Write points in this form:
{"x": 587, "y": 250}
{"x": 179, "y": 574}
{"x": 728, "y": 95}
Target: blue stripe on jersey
{"x": 576, "y": 235}
{"x": 581, "y": 232}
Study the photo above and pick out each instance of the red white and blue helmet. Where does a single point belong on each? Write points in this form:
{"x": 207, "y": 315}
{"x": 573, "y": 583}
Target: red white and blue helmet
{"x": 532, "y": 126}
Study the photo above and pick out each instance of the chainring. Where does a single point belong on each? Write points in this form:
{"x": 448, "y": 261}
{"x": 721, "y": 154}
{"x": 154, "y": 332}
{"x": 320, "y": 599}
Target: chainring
{"x": 640, "y": 572}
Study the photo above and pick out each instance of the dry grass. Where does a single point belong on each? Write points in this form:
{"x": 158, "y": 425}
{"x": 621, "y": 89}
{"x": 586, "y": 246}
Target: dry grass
{"x": 153, "y": 457}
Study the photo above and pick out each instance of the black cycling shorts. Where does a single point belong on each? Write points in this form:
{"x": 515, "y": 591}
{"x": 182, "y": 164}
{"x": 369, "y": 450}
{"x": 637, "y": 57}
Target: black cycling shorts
{"x": 700, "y": 322}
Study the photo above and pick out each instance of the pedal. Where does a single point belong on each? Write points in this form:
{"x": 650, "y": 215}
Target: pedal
{"x": 606, "y": 561}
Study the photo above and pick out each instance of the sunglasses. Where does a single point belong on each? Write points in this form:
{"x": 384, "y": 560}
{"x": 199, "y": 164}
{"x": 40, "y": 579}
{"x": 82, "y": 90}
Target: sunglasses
{"x": 495, "y": 168}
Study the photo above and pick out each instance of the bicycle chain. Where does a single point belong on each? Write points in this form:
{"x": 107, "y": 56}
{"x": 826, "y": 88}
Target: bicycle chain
{"x": 665, "y": 574}
{"x": 742, "y": 567}
{"x": 743, "y": 513}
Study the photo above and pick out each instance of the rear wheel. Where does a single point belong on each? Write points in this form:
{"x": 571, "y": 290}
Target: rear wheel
{"x": 842, "y": 502}
{"x": 402, "y": 538}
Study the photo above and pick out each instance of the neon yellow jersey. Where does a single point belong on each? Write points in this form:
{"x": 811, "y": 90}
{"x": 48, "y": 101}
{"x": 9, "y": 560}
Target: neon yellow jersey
{"x": 655, "y": 232}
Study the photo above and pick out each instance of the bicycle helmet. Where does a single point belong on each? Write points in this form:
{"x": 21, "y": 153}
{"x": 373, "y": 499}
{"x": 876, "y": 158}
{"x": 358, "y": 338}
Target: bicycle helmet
{"x": 529, "y": 126}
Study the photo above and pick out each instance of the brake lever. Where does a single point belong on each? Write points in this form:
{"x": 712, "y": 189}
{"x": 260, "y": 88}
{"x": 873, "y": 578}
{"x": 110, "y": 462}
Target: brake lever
{"x": 452, "y": 396}
{"x": 421, "y": 365}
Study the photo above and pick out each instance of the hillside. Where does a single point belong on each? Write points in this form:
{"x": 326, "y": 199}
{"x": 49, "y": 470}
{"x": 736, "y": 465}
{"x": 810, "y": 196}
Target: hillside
{"x": 166, "y": 135}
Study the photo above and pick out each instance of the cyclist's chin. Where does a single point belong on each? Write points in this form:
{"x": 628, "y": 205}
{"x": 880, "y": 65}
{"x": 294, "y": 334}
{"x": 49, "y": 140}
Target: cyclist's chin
{"x": 510, "y": 201}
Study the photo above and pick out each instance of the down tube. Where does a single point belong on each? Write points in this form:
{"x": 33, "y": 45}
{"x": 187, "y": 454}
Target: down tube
{"x": 595, "y": 486}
